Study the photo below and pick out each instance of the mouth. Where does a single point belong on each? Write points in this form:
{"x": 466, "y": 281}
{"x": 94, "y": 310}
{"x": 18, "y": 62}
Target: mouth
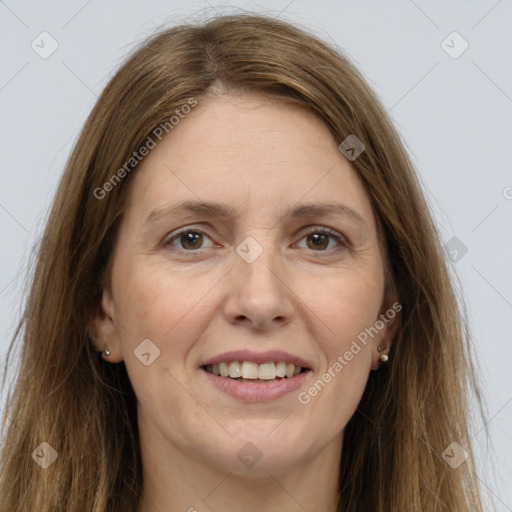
{"x": 255, "y": 373}
{"x": 249, "y": 376}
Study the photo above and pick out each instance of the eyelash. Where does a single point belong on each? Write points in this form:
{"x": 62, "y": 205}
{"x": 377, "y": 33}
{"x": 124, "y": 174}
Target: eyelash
{"x": 314, "y": 230}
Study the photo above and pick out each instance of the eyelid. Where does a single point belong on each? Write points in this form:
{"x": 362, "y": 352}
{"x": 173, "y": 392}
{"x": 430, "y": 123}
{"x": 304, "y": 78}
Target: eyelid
{"x": 340, "y": 238}
{"x": 176, "y": 233}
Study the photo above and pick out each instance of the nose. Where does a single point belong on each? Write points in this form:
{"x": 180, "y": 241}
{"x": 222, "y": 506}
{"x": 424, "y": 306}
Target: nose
{"x": 258, "y": 294}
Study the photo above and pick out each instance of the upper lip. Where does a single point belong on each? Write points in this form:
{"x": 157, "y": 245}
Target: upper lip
{"x": 257, "y": 357}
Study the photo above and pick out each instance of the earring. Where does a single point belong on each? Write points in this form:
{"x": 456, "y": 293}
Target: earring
{"x": 383, "y": 357}
{"x": 107, "y": 352}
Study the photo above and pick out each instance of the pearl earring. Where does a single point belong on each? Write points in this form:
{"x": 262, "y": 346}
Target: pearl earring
{"x": 107, "y": 352}
{"x": 383, "y": 357}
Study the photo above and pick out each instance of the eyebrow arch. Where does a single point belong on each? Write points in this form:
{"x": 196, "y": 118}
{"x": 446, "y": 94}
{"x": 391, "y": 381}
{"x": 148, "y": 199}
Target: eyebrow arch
{"x": 223, "y": 211}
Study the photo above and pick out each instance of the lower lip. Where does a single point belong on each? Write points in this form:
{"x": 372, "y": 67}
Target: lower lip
{"x": 257, "y": 392}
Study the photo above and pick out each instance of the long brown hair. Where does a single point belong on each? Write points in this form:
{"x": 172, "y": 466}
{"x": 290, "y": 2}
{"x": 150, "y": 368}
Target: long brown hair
{"x": 66, "y": 395}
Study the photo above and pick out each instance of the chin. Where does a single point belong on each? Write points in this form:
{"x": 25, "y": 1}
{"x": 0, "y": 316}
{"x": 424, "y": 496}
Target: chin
{"x": 251, "y": 455}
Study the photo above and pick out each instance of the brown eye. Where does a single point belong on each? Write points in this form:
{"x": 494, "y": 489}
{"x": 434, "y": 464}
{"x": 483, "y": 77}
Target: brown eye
{"x": 187, "y": 240}
{"x": 191, "y": 240}
{"x": 317, "y": 241}
{"x": 324, "y": 240}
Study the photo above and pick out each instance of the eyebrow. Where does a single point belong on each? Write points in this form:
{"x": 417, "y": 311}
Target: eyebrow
{"x": 223, "y": 211}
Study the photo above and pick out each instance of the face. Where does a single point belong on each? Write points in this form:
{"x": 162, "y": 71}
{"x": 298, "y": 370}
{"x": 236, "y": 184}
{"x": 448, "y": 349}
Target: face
{"x": 229, "y": 260}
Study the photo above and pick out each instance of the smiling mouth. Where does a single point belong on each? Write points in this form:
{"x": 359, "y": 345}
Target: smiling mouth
{"x": 248, "y": 371}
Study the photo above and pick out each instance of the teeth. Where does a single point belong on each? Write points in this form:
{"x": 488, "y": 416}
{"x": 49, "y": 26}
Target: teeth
{"x": 224, "y": 370}
{"x": 250, "y": 370}
{"x": 254, "y": 371}
{"x": 234, "y": 370}
{"x": 267, "y": 371}
{"x": 281, "y": 369}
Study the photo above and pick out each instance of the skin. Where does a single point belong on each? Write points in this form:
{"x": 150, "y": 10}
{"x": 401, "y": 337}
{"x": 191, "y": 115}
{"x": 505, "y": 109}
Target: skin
{"x": 261, "y": 157}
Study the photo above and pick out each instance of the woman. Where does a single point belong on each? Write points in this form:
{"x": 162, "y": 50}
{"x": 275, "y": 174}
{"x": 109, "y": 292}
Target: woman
{"x": 240, "y": 300}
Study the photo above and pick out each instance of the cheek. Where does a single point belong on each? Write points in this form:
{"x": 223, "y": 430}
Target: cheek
{"x": 333, "y": 396}
{"x": 153, "y": 306}
{"x": 345, "y": 311}
{"x": 347, "y": 305}
{"x": 157, "y": 304}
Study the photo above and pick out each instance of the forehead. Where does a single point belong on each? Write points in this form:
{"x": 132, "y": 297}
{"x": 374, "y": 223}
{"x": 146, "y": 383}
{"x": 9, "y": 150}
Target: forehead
{"x": 248, "y": 150}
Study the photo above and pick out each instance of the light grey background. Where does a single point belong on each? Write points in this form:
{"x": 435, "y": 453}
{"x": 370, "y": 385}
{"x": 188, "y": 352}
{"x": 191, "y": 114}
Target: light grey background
{"x": 453, "y": 113}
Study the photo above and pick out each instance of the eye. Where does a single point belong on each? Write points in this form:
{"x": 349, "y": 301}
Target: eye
{"x": 189, "y": 239}
{"x": 319, "y": 240}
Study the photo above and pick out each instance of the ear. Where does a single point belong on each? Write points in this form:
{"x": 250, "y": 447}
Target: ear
{"x": 103, "y": 330}
{"x": 387, "y": 325}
